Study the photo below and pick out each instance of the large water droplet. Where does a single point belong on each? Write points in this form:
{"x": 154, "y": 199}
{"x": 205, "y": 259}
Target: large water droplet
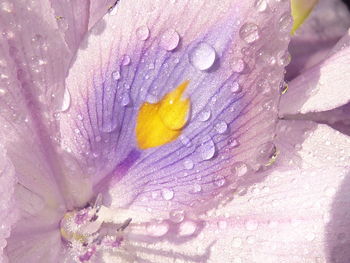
{"x": 221, "y": 127}
{"x": 142, "y": 32}
{"x": 249, "y": 32}
{"x": 207, "y": 148}
{"x": 204, "y": 115}
{"x": 66, "y": 100}
{"x": 167, "y": 194}
{"x": 169, "y": 40}
{"x": 202, "y": 56}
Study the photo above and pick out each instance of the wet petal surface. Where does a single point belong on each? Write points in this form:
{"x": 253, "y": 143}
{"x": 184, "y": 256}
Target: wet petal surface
{"x": 299, "y": 213}
{"x": 234, "y": 71}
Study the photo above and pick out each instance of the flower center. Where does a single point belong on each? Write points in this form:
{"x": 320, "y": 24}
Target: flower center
{"x": 92, "y": 229}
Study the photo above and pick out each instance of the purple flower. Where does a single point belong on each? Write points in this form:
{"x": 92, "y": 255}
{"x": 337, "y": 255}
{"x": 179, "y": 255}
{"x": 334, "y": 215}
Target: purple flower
{"x": 166, "y": 131}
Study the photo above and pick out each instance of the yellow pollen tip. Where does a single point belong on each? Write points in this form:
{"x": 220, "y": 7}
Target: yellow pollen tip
{"x": 300, "y": 11}
{"x": 162, "y": 122}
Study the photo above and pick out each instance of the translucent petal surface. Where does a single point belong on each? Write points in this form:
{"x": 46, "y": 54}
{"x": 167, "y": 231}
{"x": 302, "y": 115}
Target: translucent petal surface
{"x": 8, "y": 211}
{"x": 234, "y": 71}
{"x": 323, "y": 86}
{"x": 299, "y": 213}
{"x": 327, "y": 23}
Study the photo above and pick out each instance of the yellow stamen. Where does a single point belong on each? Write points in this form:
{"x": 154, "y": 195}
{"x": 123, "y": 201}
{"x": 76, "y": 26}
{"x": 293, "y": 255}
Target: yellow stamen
{"x": 300, "y": 11}
{"x": 162, "y": 122}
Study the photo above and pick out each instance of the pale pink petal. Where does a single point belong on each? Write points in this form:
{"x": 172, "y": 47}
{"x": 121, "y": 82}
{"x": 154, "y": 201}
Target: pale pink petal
{"x": 311, "y": 43}
{"x": 98, "y": 9}
{"x": 298, "y": 213}
{"x": 9, "y": 213}
{"x": 322, "y": 87}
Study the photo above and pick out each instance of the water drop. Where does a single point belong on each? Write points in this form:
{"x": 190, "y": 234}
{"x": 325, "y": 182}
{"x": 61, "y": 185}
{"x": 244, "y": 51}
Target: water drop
{"x": 116, "y": 75}
{"x": 187, "y": 228}
{"x": 125, "y": 99}
{"x": 196, "y": 188}
{"x": 177, "y": 216}
{"x": 202, "y": 56}
{"x": 188, "y": 164}
{"x": 66, "y": 100}
{"x": 221, "y": 127}
{"x": 185, "y": 141}
{"x": 204, "y": 115}
{"x": 285, "y": 22}
{"x": 261, "y": 5}
{"x": 169, "y": 40}
{"x": 249, "y": 32}
{"x": 251, "y": 225}
{"x": 235, "y": 87}
{"x": 157, "y": 229}
{"x": 219, "y": 180}
{"x": 142, "y": 32}
{"x": 233, "y": 143}
{"x": 237, "y": 65}
{"x": 126, "y": 60}
{"x": 240, "y": 169}
{"x": 207, "y": 148}
{"x": 167, "y": 194}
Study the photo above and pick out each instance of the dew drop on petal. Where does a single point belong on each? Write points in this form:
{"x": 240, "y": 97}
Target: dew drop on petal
{"x": 219, "y": 180}
{"x": 177, "y": 216}
{"x": 167, "y": 194}
{"x": 249, "y": 32}
{"x": 142, "y": 32}
{"x": 204, "y": 115}
{"x": 240, "y": 169}
{"x": 202, "y": 56}
{"x": 261, "y": 5}
{"x": 221, "y": 127}
{"x": 188, "y": 164}
{"x": 116, "y": 75}
{"x": 237, "y": 65}
{"x": 235, "y": 87}
{"x": 125, "y": 99}
{"x": 187, "y": 228}
{"x": 196, "y": 188}
{"x": 126, "y": 60}
{"x": 66, "y": 100}
{"x": 207, "y": 148}
{"x": 233, "y": 143}
{"x": 169, "y": 40}
{"x": 157, "y": 229}
{"x": 185, "y": 141}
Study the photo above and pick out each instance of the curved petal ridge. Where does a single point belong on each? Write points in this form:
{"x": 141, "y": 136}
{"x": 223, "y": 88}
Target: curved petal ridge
{"x": 234, "y": 71}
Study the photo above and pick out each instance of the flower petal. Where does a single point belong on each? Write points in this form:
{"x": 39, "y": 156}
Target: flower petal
{"x": 321, "y": 87}
{"x": 289, "y": 217}
{"x": 233, "y": 69}
{"x": 9, "y": 213}
{"x": 98, "y": 9}
{"x": 327, "y": 23}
